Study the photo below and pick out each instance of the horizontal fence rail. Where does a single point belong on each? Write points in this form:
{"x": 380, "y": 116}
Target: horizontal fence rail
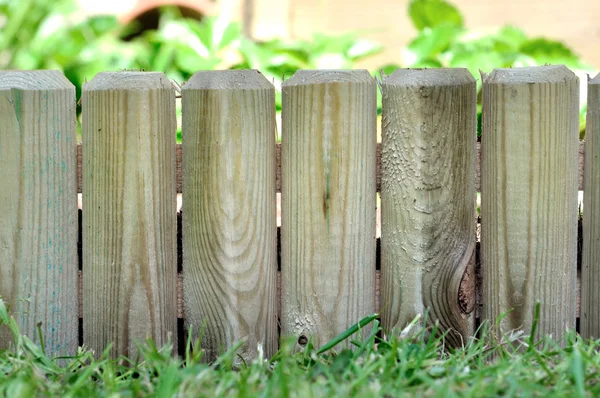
{"x": 215, "y": 265}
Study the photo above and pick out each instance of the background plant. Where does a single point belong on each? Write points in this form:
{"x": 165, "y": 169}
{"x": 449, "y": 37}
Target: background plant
{"x": 46, "y": 34}
{"x": 444, "y": 41}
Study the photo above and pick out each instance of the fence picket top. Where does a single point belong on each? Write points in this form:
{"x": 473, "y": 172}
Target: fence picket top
{"x": 441, "y": 77}
{"x": 237, "y": 79}
{"x": 534, "y": 74}
{"x": 34, "y": 80}
{"x": 128, "y": 80}
{"x": 595, "y": 80}
{"x": 310, "y": 77}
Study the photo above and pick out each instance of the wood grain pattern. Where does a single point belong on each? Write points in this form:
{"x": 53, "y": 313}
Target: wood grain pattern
{"x": 429, "y": 128}
{"x": 377, "y": 179}
{"x": 328, "y": 203}
{"x": 529, "y": 197}
{"x": 129, "y": 211}
{"x": 590, "y": 270}
{"x": 229, "y": 228}
{"x": 38, "y": 207}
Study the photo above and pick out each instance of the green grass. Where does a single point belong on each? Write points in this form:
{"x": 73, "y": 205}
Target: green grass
{"x": 413, "y": 362}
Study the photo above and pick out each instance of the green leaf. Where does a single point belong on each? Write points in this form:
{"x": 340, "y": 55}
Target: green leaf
{"x": 363, "y": 48}
{"x": 432, "y": 13}
{"x": 347, "y": 333}
{"x": 582, "y": 121}
{"x": 475, "y": 61}
{"x": 388, "y": 69}
{"x": 230, "y": 36}
{"x": 427, "y": 63}
{"x": 189, "y": 61}
{"x": 432, "y": 42}
{"x": 322, "y": 43}
{"x": 546, "y": 51}
{"x": 511, "y": 36}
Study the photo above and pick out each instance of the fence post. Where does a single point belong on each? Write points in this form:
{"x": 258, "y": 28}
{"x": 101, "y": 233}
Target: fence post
{"x": 428, "y": 196}
{"x": 129, "y": 211}
{"x": 38, "y": 207}
{"x": 328, "y": 203}
{"x": 229, "y": 225}
{"x": 590, "y": 271}
{"x": 529, "y": 197}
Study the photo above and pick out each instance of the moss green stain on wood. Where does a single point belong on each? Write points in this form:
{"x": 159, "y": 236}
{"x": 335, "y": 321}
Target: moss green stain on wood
{"x": 38, "y": 206}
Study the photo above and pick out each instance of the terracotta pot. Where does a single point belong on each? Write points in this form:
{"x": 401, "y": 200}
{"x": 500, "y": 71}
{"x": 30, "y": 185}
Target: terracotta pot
{"x": 190, "y": 8}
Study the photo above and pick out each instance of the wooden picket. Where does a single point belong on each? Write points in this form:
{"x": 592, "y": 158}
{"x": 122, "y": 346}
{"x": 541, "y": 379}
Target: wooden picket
{"x": 590, "y": 269}
{"x": 129, "y": 222}
{"x": 229, "y": 227}
{"x": 529, "y": 197}
{"x": 328, "y": 169}
{"x": 327, "y": 203}
{"x": 38, "y": 207}
{"x": 428, "y": 195}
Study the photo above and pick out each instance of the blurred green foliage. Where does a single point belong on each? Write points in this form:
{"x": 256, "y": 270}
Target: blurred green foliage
{"x": 47, "y": 34}
{"x": 42, "y": 34}
{"x": 444, "y": 41}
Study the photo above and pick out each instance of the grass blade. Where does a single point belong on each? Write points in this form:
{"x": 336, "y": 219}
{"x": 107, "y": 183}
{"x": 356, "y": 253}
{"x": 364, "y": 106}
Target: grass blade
{"x": 347, "y": 333}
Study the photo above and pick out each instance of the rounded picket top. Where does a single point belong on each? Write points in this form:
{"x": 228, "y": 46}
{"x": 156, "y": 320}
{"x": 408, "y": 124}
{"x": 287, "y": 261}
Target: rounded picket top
{"x": 128, "y": 80}
{"x": 533, "y": 74}
{"x": 441, "y": 77}
{"x": 34, "y": 80}
{"x": 327, "y": 76}
{"x": 237, "y": 79}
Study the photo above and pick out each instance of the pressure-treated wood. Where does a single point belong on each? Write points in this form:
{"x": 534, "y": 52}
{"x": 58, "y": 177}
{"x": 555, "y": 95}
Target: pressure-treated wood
{"x": 328, "y": 203}
{"x": 38, "y": 207}
{"x": 590, "y": 271}
{"x": 378, "y": 178}
{"x": 428, "y": 197}
{"x": 129, "y": 211}
{"x": 229, "y": 227}
{"x": 529, "y": 197}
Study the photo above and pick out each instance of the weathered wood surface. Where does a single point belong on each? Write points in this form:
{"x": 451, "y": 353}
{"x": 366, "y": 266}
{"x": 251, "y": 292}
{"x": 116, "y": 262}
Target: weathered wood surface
{"x": 328, "y": 203}
{"x": 229, "y": 228}
{"x": 429, "y": 128}
{"x": 129, "y": 211}
{"x": 378, "y": 177}
{"x": 529, "y": 197}
{"x": 38, "y": 207}
{"x": 181, "y": 314}
{"x": 590, "y": 270}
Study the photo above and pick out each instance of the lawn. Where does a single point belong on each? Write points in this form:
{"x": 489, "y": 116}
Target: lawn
{"x": 412, "y": 362}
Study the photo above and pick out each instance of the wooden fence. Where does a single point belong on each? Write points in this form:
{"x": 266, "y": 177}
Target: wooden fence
{"x": 328, "y": 168}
